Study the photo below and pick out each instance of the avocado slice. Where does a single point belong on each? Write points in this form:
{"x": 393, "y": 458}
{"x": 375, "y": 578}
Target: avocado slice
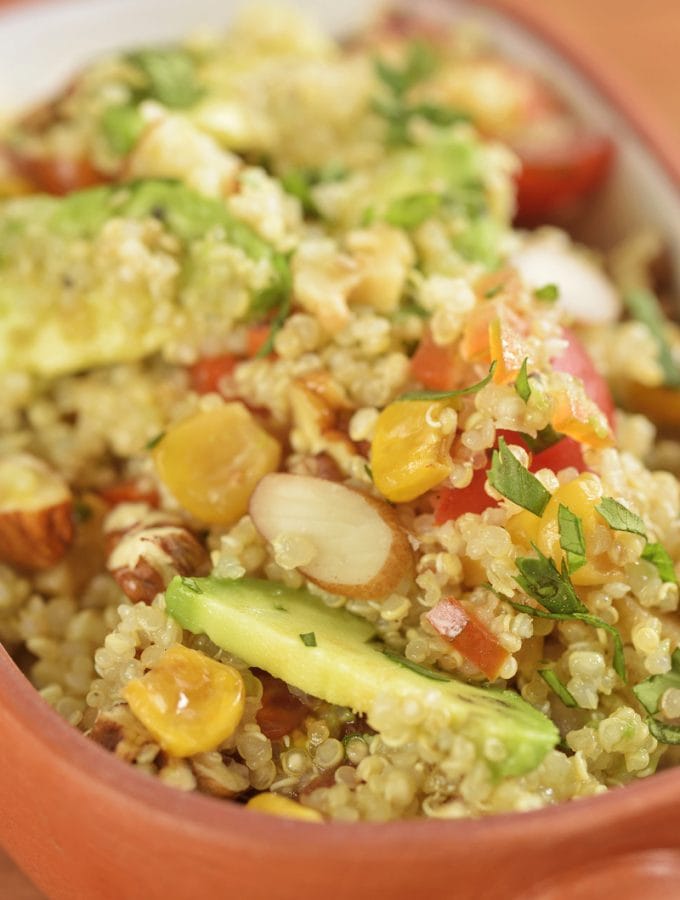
{"x": 331, "y": 654}
{"x": 70, "y": 299}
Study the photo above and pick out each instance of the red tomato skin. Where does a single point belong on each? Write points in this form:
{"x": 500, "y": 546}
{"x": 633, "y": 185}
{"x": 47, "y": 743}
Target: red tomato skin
{"x": 576, "y": 360}
{"x": 556, "y": 178}
{"x": 437, "y": 368}
{"x": 470, "y": 636}
{"x": 453, "y": 502}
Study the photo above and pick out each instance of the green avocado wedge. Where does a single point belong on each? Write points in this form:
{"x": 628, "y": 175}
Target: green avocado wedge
{"x": 333, "y": 655}
{"x": 115, "y": 273}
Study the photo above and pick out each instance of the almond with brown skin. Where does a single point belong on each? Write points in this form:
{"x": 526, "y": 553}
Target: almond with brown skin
{"x": 144, "y": 558}
{"x": 353, "y": 544}
{"x": 36, "y": 513}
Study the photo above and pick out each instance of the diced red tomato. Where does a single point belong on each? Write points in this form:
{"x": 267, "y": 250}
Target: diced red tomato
{"x": 206, "y": 374}
{"x": 453, "y": 502}
{"x": 129, "y": 492}
{"x": 469, "y": 635}
{"x": 436, "y": 367}
{"x": 58, "y": 175}
{"x": 556, "y": 174}
{"x": 281, "y": 712}
{"x": 564, "y": 454}
{"x": 576, "y": 360}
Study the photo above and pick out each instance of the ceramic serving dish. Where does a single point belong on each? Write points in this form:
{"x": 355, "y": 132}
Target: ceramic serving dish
{"x": 84, "y": 825}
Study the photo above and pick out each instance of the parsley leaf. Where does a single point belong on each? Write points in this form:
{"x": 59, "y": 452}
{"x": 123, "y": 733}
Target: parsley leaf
{"x": 572, "y": 539}
{"x": 549, "y": 292}
{"x": 509, "y": 477}
{"x": 170, "y": 76}
{"x": 618, "y": 662}
{"x": 552, "y": 680}
{"x": 412, "y": 210}
{"x": 644, "y": 306}
{"x": 540, "y": 579}
{"x": 308, "y": 639}
{"x": 122, "y": 125}
{"x": 620, "y": 518}
{"x": 650, "y": 692}
{"x": 448, "y": 395}
{"x": 300, "y": 182}
{"x": 661, "y": 558}
{"x": 155, "y": 441}
{"x": 664, "y": 734}
{"x": 414, "y": 667}
{"x": 545, "y": 438}
{"x": 522, "y": 385}
{"x": 420, "y": 63}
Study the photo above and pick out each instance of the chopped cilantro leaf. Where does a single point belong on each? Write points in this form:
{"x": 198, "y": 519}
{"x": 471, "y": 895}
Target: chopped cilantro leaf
{"x": 522, "y": 385}
{"x": 572, "y": 540}
{"x": 155, "y": 441}
{"x": 414, "y": 667}
{"x": 650, "y": 691}
{"x": 618, "y": 661}
{"x": 546, "y": 437}
{"x": 541, "y": 580}
{"x": 420, "y": 63}
{"x": 645, "y": 307}
{"x": 308, "y": 639}
{"x": 664, "y": 734}
{"x": 620, "y": 518}
{"x": 549, "y": 292}
{"x": 412, "y": 210}
{"x": 448, "y": 395}
{"x": 300, "y": 182}
{"x": 552, "y": 680}
{"x": 660, "y": 557}
{"x": 122, "y": 126}
{"x": 509, "y": 477}
{"x": 170, "y": 76}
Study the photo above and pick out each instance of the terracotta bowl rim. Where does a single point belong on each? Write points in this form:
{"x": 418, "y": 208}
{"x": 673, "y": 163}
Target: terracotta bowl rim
{"x": 103, "y": 772}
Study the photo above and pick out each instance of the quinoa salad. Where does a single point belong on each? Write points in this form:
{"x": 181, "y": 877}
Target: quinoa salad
{"x": 336, "y": 480}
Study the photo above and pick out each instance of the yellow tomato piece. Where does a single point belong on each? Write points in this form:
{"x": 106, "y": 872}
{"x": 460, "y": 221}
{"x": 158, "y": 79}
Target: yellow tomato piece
{"x": 575, "y": 415}
{"x": 580, "y": 496}
{"x": 278, "y": 805}
{"x": 410, "y": 452}
{"x": 212, "y": 462}
{"x": 189, "y": 702}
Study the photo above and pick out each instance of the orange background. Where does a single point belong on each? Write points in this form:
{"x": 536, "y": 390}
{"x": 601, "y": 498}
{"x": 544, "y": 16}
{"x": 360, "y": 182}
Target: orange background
{"x": 640, "y": 43}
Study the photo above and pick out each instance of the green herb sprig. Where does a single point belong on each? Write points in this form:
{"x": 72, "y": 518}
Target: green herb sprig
{"x": 540, "y": 579}
{"x": 572, "y": 539}
{"x": 650, "y": 692}
{"x": 510, "y": 478}
{"x": 552, "y": 679}
{"x": 448, "y": 395}
{"x": 620, "y": 518}
{"x": 644, "y": 306}
{"x": 397, "y": 111}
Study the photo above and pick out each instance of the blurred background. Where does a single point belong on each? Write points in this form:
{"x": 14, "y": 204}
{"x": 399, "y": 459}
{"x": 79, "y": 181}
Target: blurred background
{"x": 639, "y": 44}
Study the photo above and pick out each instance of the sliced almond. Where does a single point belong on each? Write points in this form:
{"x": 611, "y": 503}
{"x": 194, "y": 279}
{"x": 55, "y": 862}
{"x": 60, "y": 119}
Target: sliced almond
{"x": 357, "y": 546}
{"x": 36, "y": 513}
